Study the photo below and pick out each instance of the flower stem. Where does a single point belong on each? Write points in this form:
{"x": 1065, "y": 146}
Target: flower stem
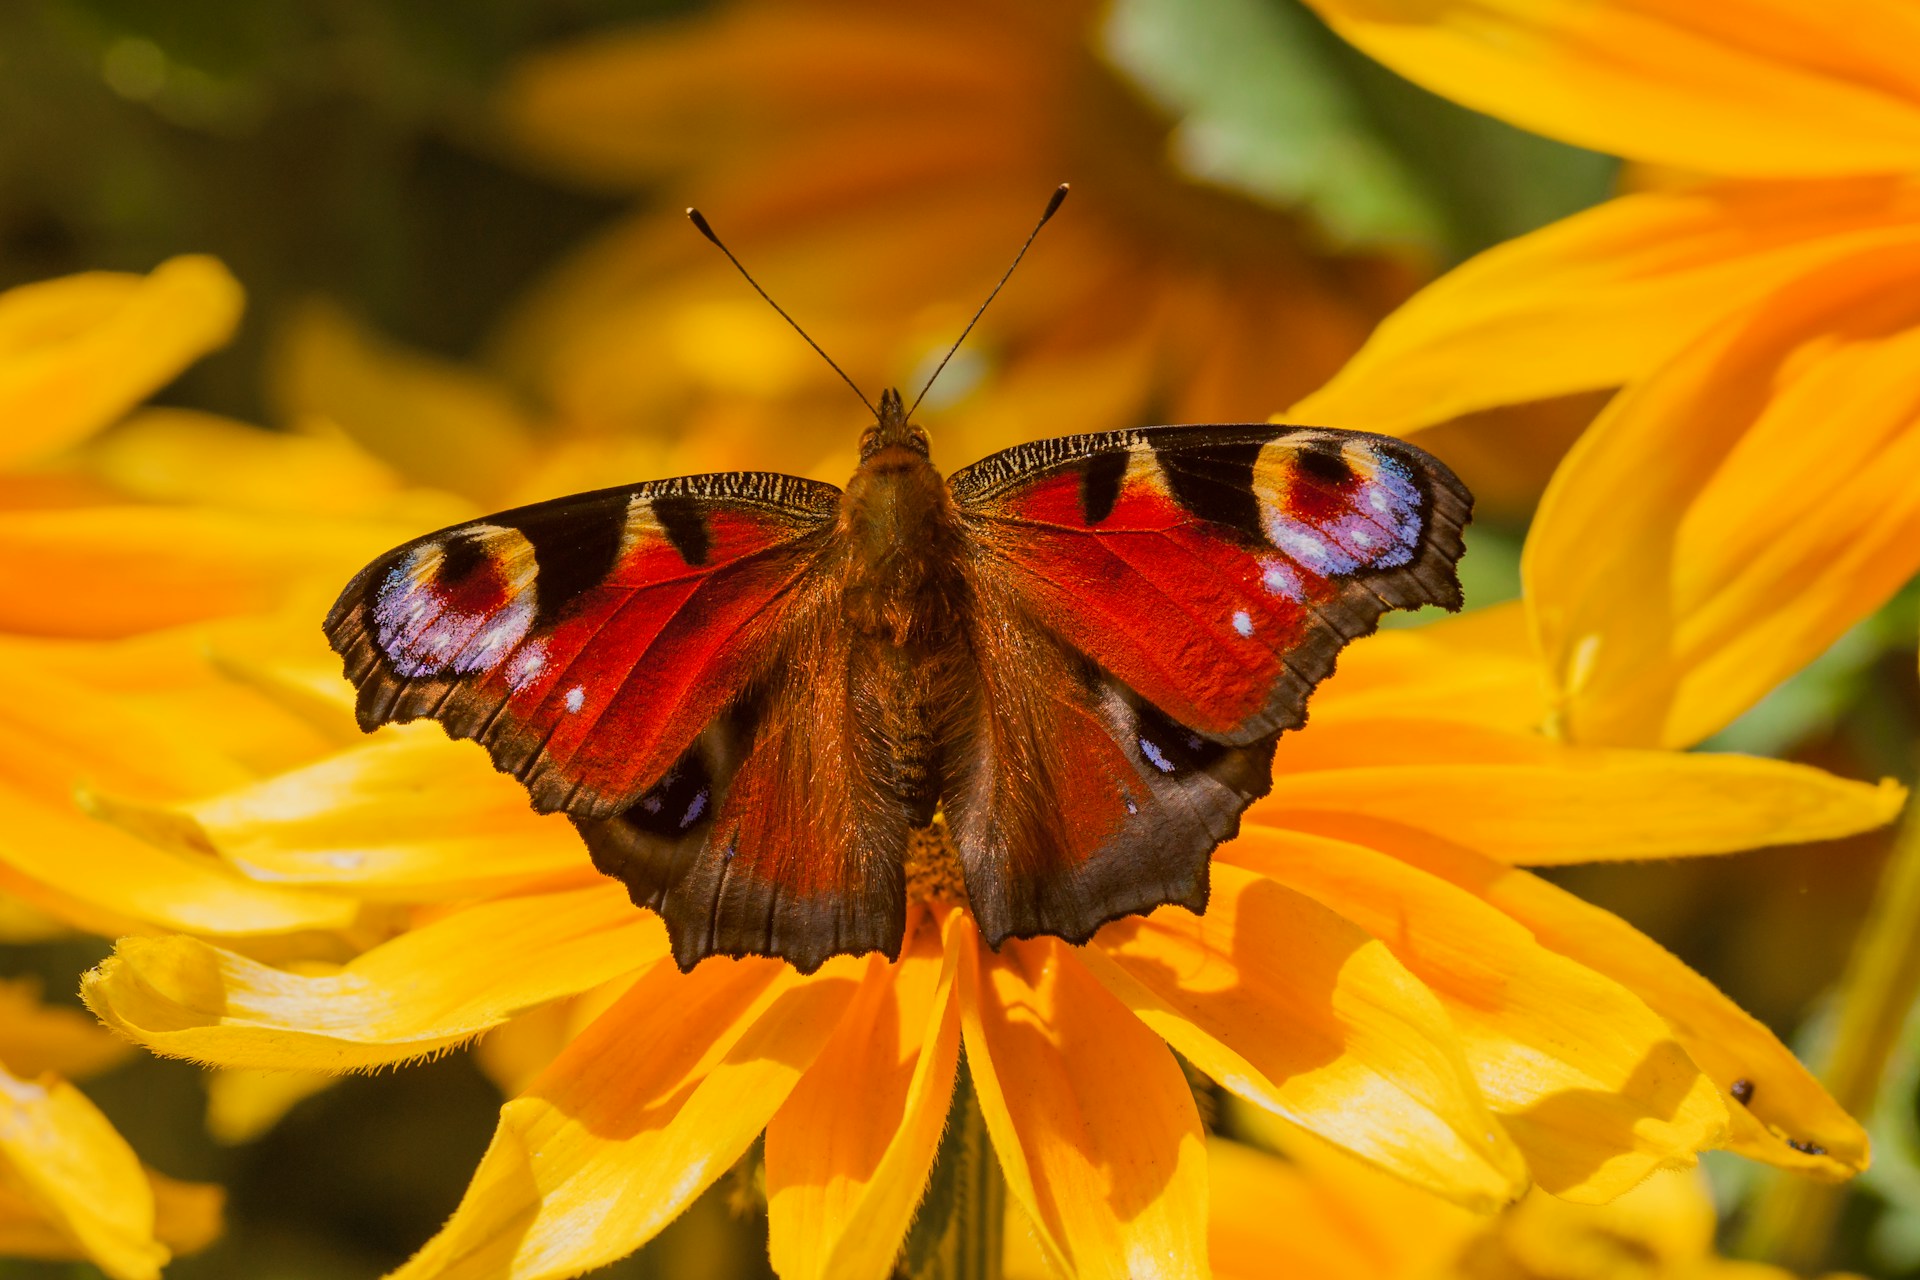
{"x": 958, "y": 1234}
{"x": 1792, "y": 1220}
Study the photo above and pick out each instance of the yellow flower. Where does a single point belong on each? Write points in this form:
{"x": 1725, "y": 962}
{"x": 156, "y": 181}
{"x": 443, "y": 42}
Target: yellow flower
{"x": 1372, "y": 969}
{"x": 876, "y": 166}
{"x": 1747, "y": 496}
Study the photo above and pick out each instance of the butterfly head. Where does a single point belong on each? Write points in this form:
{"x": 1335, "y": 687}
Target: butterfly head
{"x": 891, "y": 430}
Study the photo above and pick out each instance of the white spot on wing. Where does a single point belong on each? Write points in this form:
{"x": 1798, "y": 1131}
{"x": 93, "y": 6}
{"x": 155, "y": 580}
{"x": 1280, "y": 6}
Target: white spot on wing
{"x": 1155, "y": 756}
{"x": 576, "y": 697}
{"x": 1243, "y": 622}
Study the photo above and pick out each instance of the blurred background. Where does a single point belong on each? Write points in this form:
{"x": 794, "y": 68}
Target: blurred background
{"x": 460, "y": 230}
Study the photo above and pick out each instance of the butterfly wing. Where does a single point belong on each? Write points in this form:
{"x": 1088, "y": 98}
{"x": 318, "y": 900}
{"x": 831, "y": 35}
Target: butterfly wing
{"x": 1154, "y": 608}
{"x": 587, "y": 641}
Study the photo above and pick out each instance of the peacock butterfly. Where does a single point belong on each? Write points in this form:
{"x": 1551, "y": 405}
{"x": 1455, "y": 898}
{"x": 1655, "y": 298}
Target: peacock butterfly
{"x": 748, "y": 691}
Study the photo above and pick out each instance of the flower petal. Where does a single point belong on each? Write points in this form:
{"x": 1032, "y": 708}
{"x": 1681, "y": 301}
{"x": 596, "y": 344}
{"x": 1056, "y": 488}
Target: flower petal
{"x": 244, "y": 1104}
{"x": 1587, "y": 1079}
{"x": 1524, "y": 798}
{"x": 1728, "y": 518}
{"x": 77, "y": 353}
{"x": 37, "y": 1038}
{"x": 1476, "y": 667}
{"x": 1738, "y": 86}
{"x": 1091, "y": 1117}
{"x": 1600, "y": 298}
{"x": 1785, "y": 1103}
{"x": 849, "y": 1153}
{"x": 1301, "y": 1012}
{"x": 409, "y": 817}
{"x": 639, "y": 1116}
{"x": 142, "y": 886}
{"x": 425, "y": 991}
{"x": 62, "y": 1165}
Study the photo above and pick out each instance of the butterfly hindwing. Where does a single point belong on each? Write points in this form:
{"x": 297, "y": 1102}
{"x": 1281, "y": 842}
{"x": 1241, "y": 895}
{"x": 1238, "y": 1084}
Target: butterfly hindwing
{"x": 585, "y": 641}
{"x": 1204, "y": 580}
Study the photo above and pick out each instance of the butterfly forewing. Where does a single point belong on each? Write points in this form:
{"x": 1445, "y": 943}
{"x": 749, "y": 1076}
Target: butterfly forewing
{"x": 585, "y": 641}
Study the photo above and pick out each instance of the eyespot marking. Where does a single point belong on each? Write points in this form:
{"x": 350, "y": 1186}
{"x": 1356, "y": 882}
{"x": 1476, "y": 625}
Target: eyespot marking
{"x": 1155, "y": 756}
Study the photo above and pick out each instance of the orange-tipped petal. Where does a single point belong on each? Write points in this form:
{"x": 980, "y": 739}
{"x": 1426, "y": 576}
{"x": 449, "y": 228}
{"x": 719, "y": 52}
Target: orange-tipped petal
{"x": 1588, "y": 1081}
{"x": 1302, "y": 1012}
{"x": 1599, "y": 299}
{"x": 77, "y": 353}
{"x": 849, "y": 1153}
{"x": 1728, "y": 518}
{"x": 409, "y": 816}
{"x": 1524, "y": 798}
{"x": 1755, "y": 87}
{"x": 643, "y": 1111}
{"x": 1091, "y": 1117}
{"x": 1785, "y": 1103}
{"x": 69, "y": 1180}
{"x": 421, "y": 993}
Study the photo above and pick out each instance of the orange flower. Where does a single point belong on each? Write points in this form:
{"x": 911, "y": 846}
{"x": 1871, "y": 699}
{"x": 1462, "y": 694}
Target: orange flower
{"x": 876, "y": 165}
{"x": 1746, "y": 498}
{"x": 1371, "y": 969}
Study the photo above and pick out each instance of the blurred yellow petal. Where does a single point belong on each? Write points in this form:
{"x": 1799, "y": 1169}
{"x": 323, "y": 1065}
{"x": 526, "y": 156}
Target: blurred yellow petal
{"x": 423, "y": 992}
{"x": 77, "y": 353}
{"x": 1600, "y": 298}
{"x": 37, "y": 1038}
{"x": 1092, "y": 1119}
{"x": 168, "y": 565}
{"x": 128, "y": 879}
{"x": 849, "y": 1153}
{"x": 411, "y": 816}
{"x": 187, "y": 1216}
{"x": 1524, "y": 798}
{"x": 439, "y": 423}
{"x": 1728, "y": 518}
{"x": 1761, "y": 87}
{"x": 1784, "y": 1104}
{"x": 21, "y": 922}
{"x": 1300, "y": 1011}
{"x": 64, "y": 1167}
{"x": 642, "y": 1112}
{"x": 1587, "y": 1080}
{"x": 244, "y": 1104}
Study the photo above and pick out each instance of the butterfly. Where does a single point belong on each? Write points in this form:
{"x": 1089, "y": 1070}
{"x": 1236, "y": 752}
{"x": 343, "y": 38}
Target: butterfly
{"x": 750, "y": 691}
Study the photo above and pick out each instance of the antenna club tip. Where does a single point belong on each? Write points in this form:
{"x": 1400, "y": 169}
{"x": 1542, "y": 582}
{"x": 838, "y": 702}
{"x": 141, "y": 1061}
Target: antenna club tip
{"x": 1054, "y": 201}
{"x": 699, "y": 220}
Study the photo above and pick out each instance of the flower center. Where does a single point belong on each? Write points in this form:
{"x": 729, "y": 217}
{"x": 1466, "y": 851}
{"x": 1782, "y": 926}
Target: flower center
{"x": 933, "y": 866}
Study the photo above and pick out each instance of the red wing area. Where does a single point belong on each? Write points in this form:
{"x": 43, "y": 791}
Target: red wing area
{"x": 1216, "y": 571}
{"x": 1076, "y": 803}
{"x": 587, "y": 641}
{"x": 780, "y": 832}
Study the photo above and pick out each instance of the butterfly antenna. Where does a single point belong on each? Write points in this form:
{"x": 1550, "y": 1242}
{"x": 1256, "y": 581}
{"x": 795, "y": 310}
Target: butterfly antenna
{"x": 699, "y": 220}
{"x": 1053, "y": 207}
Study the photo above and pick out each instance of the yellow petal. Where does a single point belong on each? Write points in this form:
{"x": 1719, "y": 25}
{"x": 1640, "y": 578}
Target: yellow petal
{"x": 77, "y": 353}
{"x": 1600, "y": 298}
{"x": 1785, "y": 1102}
{"x": 439, "y": 423}
{"x": 133, "y": 882}
{"x": 243, "y": 1105}
{"x": 1739, "y": 86}
{"x": 1727, "y": 519}
{"x": 1587, "y": 1080}
{"x": 1523, "y": 798}
{"x": 1091, "y": 1117}
{"x": 410, "y": 816}
{"x": 849, "y": 1153}
{"x": 64, "y": 1167}
{"x": 37, "y": 1038}
{"x": 187, "y": 1216}
{"x": 652, "y": 1103}
{"x": 166, "y": 565}
{"x": 1476, "y": 667}
{"x": 422, "y": 993}
{"x": 1301, "y": 1012}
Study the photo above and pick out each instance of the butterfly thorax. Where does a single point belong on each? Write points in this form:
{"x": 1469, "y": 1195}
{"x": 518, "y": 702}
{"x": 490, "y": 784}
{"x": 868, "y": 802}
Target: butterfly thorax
{"x": 898, "y": 529}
